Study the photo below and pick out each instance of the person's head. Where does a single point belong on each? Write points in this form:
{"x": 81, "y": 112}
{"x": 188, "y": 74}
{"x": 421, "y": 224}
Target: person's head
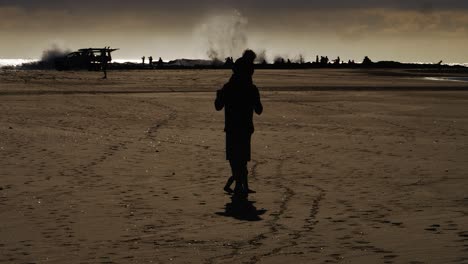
{"x": 249, "y": 55}
{"x": 243, "y": 68}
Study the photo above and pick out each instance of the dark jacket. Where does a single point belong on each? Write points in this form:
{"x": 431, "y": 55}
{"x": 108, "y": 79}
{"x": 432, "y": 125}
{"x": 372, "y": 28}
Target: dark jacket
{"x": 239, "y": 98}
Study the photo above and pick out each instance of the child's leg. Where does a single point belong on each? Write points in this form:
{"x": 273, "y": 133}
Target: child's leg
{"x": 244, "y": 173}
{"x": 234, "y": 176}
{"x": 240, "y": 172}
{"x": 231, "y": 179}
{"x": 237, "y": 174}
{"x": 229, "y": 182}
{"x": 246, "y": 143}
{"x": 245, "y": 180}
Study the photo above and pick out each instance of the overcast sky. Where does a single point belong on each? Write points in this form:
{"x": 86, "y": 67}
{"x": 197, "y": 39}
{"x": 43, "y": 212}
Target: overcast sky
{"x": 426, "y": 30}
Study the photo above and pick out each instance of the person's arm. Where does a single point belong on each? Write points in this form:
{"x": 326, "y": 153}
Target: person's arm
{"x": 258, "y": 107}
{"x": 219, "y": 102}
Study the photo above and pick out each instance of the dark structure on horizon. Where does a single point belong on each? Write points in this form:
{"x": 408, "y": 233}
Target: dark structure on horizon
{"x": 96, "y": 59}
{"x": 92, "y": 59}
{"x": 285, "y": 63}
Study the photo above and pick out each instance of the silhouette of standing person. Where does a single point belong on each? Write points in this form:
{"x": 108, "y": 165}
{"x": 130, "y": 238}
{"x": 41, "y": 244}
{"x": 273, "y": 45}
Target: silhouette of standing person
{"x": 150, "y": 58}
{"x": 160, "y": 63}
{"x": 239, "y": 98}
{"x": 104, "y": 60}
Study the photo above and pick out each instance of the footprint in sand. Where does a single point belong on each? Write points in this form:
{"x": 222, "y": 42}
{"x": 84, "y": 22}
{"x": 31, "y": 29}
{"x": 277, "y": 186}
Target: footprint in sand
{"x": 433, "y": 228}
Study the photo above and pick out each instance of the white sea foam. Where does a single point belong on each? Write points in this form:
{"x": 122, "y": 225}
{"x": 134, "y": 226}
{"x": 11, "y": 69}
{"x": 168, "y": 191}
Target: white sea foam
{"x": 453, "y": 79}
{"x": 15, "y": 62}
{"x": 129, "y": 60}
{"x": 454, "y": 64}
{"x": 19, "y": 62}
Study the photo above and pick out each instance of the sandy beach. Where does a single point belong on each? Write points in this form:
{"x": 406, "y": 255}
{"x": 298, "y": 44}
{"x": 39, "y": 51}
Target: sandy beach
{"x": 350, "y": 166}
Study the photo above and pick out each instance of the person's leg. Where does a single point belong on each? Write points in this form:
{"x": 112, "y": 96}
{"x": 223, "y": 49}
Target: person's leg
{"x": 245, "y": 143}
{"x": 246, "y": 184}
{"x": 245, "y": 178}
{"x": 237, "y": 174}
{"x": 229, "y": 182}
{"x": 231, "y": 179}
{"x": 244, "y": 172}
{"x": 229, "y": 146}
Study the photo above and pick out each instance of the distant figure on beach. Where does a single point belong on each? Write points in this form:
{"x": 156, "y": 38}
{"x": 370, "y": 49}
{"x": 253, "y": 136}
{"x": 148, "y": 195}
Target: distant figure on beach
{"x": 143, "y": 60}
{"x": 367, "y": 61}
{"x": 160, "y": 62}
{"x": 229, "y": 62}
{"x": 324, "y": 60}
{"x": 104, "y": 59}
{"x": 337, "y": 61}
{"x": 239, "y": 98}
{"x": 150, "y": 61}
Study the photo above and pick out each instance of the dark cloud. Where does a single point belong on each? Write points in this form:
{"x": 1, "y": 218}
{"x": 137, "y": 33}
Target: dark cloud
{"x": 345, "y": 27}
{"x": 110, "y": 5}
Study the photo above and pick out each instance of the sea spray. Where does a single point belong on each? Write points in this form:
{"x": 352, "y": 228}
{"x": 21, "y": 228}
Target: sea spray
{"x": 51, "y": 54}
{"x": 223, "y": 35}
{"x": 261, "y": 57}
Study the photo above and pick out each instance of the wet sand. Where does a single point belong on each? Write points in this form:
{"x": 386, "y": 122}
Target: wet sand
{"x": 131, "y": 169}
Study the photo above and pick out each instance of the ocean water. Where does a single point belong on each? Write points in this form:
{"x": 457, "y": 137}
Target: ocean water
{"x": 462, "y": 64}
{"x": 129, "y": 60}
{"x": 15, "y": 62}
{"x": 18, "y": 62}
{"x": 453, "y": 79}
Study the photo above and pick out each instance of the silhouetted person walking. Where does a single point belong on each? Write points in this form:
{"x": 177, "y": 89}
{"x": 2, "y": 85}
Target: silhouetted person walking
{"x": 239, "y": 98}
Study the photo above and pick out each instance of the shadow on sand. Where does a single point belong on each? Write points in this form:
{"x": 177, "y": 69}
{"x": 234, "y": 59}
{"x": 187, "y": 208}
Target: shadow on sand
{"x": 241, "y": 208}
